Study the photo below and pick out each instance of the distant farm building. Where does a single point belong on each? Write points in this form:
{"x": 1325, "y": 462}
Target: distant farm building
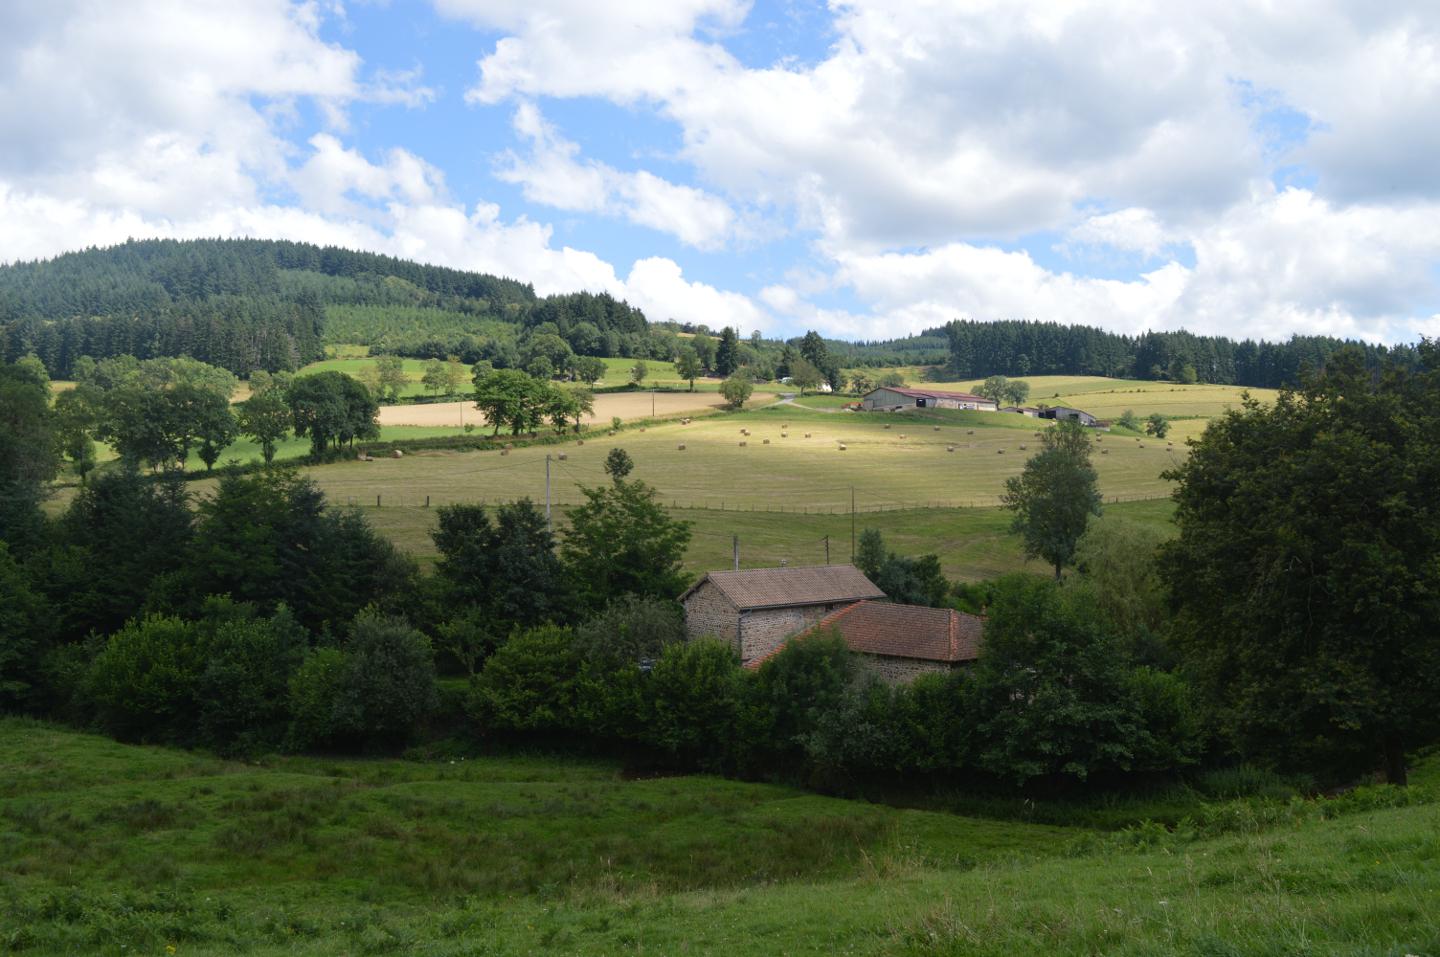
{"x": 1031, "y": 411}
{"x": 890, "y": 399}
{"x": 755, "y": 610}
{"x": 900, "y": 643}
{"x": 1060, "y": 413}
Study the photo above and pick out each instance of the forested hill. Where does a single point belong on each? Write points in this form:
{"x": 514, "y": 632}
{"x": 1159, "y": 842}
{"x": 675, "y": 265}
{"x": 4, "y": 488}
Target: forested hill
{"x": 1016, "y": 348}
{"x": 249, "y": 304}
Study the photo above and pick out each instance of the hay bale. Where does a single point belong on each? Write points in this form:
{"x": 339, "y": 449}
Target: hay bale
{"x": 504, "y": 451}
{"x": 396, "y": 454}
{"x": 642, "y": 428}
{"x": 937, "y": 428}
{"x": 999, "y": 451}
{"x": 887, "y": 425}
{"x": 766, "y": 442}
{"x": 1104, "y": 451}
{"x": 680, "y": 447}
{"x": 1022, "y": 448}
{"x": 842, "y": 446}
{"x": 902, "y": 435}
{"x": 579, "y": 441}
{"x": 949, "y": 448}
{"x": 807, "y": 435}
{"x": 971, "y": 432}
{"x": 784, "y": 435}
{"x": 742, "y": 445}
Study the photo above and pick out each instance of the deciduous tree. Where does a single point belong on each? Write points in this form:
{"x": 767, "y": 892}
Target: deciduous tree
{"x": 1055, "y": 495}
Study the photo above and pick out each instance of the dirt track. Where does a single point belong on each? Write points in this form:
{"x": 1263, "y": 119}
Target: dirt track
{"x": 627, "y": 405}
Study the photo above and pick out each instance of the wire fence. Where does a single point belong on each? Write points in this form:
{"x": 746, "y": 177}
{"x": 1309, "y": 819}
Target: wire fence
{"x": 424, "y": 501}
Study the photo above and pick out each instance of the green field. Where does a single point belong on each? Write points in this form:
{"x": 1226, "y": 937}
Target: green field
{"x": 114, "y": 849}
{"x": 351, "y": 364}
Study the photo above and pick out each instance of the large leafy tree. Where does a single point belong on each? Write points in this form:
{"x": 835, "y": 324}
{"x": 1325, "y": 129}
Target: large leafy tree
{"x": 332, "y": 408}
{"x": 512, "y": 399}
{"x": 28, "y": 449}
{"x": 1306, "y": 577}
{"x": 620, "y": 541}
{"x": 1055, "y": 495}
{"x": 688, "y": 366}
{"x": 266, "y": 419}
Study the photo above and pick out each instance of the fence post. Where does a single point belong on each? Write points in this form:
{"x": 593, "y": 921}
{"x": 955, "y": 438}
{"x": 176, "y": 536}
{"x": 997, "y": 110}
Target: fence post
{"x": 427, "y": 501}
{"x": 377, "y": 501}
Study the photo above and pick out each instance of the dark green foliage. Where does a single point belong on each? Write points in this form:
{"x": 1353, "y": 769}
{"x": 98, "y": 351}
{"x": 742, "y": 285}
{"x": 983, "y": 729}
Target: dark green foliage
{"x": 631, "y": 629}
{"x": 694, "y": 700}
{"x": 622, "y": 542}
{"x": 808, "y": 677}
{"x": 978, "y": 349}
{"x": 737, "y": 389}
{"x": 75, "y": 423}
{"x": 1157, "y": 425}
{"x": 618, "y": 464}
{"x": 1305, "y": 577}
{"x": 512, "y": 399}
{"x": 266, "y": 418}
{"x": 143, "y": 684}
{"x": 29, "y": 450}
{"x": 244, "y": 685}
{"x": 1054, "y": 497}
{"x": 688, "y": 365}
{"x": 121, "y": 537}
{"x": 24, "y": 628}
{"x": 727, "y": 352}
{"x": 905, "y": 581}
{"x": 506, "y": 571}
{"x": 267, "y": 538}
{"x": 529, "y": 684}
{"x": 333, "y": 409}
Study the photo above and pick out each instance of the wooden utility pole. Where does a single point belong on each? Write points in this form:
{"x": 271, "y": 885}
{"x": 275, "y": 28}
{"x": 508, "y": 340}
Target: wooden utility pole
{"x": 736, "y": 546}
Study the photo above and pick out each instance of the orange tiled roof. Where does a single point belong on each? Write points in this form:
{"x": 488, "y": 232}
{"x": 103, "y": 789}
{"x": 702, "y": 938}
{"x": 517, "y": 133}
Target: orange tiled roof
{"x": 903, "y": 631}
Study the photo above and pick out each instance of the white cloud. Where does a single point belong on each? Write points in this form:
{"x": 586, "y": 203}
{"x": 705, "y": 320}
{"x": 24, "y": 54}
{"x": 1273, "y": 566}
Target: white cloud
{"x": 554, "y": 175}
{"x": 657, "y": 286}
{"x": 1129, "y": 230}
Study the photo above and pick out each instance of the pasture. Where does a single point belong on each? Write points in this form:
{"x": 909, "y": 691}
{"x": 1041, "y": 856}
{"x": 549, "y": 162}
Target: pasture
{"x": 112, "y": 848}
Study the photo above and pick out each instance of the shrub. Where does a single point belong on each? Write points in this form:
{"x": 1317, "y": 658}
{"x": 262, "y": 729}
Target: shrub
{"x": 143, "y": 684}
{"x": 244, "y": 688}
{"x": 315, "y": 689}
{"x": 529, "y": 684}
{"x": 694, "y": 698}
{"x": 807, "y": 677}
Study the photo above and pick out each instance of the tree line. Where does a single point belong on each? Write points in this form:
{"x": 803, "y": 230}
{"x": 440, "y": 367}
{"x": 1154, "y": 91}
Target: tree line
{"x": 1019, "y": 348}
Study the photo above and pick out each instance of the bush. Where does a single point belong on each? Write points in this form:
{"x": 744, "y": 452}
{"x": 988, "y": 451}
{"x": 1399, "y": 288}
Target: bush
{"x": 529, "y": 685}
{"x": 244, "y": 688}
{"x": 143, "y": 684}
{"x": 808, "y": 677}
{"x": 694, "y": 699}
{"x": 375, "y": 692}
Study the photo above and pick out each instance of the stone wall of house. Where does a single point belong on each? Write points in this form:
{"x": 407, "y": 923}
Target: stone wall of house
{"x": 709, "y": 614}
{"x": 900, "y": 670}
{"x": 761, "y": 632}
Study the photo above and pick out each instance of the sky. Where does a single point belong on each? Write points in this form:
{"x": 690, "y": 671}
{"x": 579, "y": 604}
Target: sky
{"x": 869, "y": 170}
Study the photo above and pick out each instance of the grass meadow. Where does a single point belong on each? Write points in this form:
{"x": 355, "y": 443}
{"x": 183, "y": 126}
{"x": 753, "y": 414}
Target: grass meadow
{"x": 117, "y": 849}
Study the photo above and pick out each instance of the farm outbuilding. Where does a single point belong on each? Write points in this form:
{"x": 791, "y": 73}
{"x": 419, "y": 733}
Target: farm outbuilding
{"x": 890, "y": 399}
{"x": 1061, "y": 413}
{"x": 1031, "y": 411}
{"x": 756, "y": 609}
{"x": 899, "y": 643}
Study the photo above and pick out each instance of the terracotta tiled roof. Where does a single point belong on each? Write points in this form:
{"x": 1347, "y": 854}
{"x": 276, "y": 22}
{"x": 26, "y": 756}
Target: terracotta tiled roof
{"x": 932, "y": 394}
{"x": 908, "y": 631}
{"x": 782, "y": 587}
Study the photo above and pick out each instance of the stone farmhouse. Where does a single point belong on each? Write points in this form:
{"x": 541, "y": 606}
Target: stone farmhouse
{"x": 887, "y": 399}
{"x": 899, "y": 643}
{"x": 755, "y": 610}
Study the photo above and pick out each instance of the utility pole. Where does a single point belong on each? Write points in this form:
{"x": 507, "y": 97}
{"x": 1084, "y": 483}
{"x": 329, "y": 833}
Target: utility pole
{"x": 652, "y": 402}
{"x": 736, "y": 545}
{"x": 852, "y": 524}
{"x": 549, "y": 526}
{"x": 827, "y": 549}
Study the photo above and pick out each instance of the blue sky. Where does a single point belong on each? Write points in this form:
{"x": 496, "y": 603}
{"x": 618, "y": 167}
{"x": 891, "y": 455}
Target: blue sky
{"x": 866, "y": 169}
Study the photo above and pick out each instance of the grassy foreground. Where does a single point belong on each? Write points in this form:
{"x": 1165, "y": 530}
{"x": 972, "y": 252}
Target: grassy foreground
{"x": 108, "y": 849}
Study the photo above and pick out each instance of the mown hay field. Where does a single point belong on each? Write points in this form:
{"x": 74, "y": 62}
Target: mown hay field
{"x": 626, "y": 405}
{"x": 1108, "y": 398}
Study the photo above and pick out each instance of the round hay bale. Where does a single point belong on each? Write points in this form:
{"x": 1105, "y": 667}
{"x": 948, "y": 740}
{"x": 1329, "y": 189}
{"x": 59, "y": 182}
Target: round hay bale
{"x": 563, "y": 456}
{"x": 807, "y": 435}
{"x": 937, "y": 428}
{"x": 949, "y": 448}
{"x": 887, "y": 425}
{"x": 971, "y": 432}
{"x": 766, "y": 442}
{"x": 579, "y": 441}
{"x": 842, "y": 447}
{"x": 902, "y": 435}
{"x": 642, "y": 428}
{"x": 999, "y": 451}
{"x": 397, "y": 454}
{"x": 1142, "y": 445}
{"x": 742, "y": 445}
{"x": 1022, "y": 448}
{"x": 681, "y": 447}
{"x": 504, "y": 451}
{"x": 1104, "y": 451}
{"x": 784, "y": 435}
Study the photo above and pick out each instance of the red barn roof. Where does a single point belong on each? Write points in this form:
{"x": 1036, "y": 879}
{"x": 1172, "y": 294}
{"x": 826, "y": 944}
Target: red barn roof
{"x": 903, "y": 631}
